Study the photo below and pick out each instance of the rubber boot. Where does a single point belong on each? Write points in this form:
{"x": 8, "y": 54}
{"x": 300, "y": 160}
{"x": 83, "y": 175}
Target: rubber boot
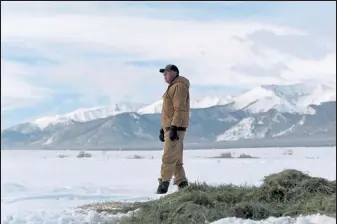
{"x": 182, "y": 185}
{"x": 163, "y": 187}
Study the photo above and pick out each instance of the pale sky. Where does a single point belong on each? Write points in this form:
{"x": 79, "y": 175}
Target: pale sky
{"x": 59, "y": 56}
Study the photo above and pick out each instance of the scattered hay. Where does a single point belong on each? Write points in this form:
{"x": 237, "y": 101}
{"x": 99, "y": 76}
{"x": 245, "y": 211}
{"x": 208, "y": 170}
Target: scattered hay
{"x": 288, "y": 193}
{"x": 109, "y": 207}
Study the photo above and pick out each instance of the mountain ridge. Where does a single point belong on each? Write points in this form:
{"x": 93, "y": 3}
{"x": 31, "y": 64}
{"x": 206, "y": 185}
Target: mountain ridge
{"x": 258, "y": 99}
{"x": 263, "y": 113}
{"x": 207, "y": 125}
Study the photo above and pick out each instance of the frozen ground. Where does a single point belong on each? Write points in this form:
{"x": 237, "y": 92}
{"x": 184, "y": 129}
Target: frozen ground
{"x": 39, "y": 187}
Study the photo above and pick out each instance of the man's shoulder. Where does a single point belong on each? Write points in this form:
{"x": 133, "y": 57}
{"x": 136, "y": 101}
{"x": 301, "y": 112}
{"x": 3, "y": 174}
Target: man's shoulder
{"x": 180, "y": 86}
{"x": 182, "y": 81}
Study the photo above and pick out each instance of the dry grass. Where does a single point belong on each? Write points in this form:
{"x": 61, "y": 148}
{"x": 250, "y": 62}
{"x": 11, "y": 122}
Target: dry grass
{"x": 288, "y": 193}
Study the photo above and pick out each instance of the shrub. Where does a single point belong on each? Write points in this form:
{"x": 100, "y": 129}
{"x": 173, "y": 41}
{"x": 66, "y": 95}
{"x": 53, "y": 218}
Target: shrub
{"x": 225, "y": 155}
{"x": 83, "y": 154}
{"x": 288, "y": 152}
{"x": 246, "y": 156}
{"x": 136, "y": 157}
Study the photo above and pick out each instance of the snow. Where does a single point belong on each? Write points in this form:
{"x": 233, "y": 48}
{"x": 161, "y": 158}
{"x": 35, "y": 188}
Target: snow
{"x": 141, "y": 133}
{"x": 243, "y": 130}
{"x": 209, "y": 101}
{"x": 304, "y": 94}
{"x": 318, "y": 94}
{"x": 40, "y": 187}
{"x": 44, "y": 122}
{"x": 153, "y": 108}
{"x": 49, "y": 141}
{"x": 256, "y": 100}
{"x": 285, "y": 131}
{"x": 284, "y": 98}
{"x": 228, "y": 118}
{"x": 300, "y": 220}
{"x": 135, "y": 116}
{"x": 301, "y": 122}
{"x": 203, "y": 102}
{"x": 87, "y": 114}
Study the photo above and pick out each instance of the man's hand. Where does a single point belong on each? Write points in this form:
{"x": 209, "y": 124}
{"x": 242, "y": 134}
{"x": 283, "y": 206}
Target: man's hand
{"x": 173, "y": 133}
{"x": 161, "y": 135}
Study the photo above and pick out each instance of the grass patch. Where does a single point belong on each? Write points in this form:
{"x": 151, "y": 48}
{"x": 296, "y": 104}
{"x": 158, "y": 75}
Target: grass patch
{"x": 288, "y": 193}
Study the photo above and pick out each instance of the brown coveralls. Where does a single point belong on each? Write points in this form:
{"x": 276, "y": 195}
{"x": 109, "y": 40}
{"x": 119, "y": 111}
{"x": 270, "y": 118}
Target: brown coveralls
{"x": 175, "y": 111}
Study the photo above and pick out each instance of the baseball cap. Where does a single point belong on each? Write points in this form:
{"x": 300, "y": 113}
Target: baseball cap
{"x": 169, "y": 67}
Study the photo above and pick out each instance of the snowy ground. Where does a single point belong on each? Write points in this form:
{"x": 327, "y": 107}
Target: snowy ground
{"x": 39, "y": 187}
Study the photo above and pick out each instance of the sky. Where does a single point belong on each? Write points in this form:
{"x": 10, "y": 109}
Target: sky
{"x": 60, "y": 56}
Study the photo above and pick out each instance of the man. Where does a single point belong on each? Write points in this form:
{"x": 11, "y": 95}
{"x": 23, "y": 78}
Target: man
{"x": 174, "y": 121}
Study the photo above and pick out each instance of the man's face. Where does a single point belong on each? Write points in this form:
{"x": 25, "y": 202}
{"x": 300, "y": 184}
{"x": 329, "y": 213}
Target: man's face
{"x": 168, "y": 76}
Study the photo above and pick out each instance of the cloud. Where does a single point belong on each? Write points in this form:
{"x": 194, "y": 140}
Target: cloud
{"x": 258, "y": 71}
{"x": 301, "y": 46}
{"x": 16, "y": 90}
{"x": 114, "y": 49}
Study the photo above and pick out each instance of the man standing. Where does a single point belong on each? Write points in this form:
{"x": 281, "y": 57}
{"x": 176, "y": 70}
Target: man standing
{"x": 174, "y": 123}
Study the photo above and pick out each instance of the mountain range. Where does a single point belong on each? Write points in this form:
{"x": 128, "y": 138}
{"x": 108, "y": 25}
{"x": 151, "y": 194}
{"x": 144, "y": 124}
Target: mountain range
{"x": 268, "y": 113}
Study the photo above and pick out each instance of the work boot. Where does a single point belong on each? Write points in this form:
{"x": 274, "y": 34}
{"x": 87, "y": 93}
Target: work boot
{"x": 163, "y": 187}
{"x": 182, "y": 185}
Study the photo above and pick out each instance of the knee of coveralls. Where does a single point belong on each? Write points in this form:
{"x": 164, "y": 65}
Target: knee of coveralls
{"x": 172, "y": 154}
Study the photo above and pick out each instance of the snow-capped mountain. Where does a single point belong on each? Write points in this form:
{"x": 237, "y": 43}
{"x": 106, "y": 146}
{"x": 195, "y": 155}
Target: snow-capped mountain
{"x": 212, "y": 126}
{"x": 154, "y": 108}
{"x": 210, "y": 101}
{"x": 269, "y": 111}
{"x": 203, "y": 102}
{"x": 284, "y": 98}
{"x": 306, "y": 94}
{"x": 86, "y": 114}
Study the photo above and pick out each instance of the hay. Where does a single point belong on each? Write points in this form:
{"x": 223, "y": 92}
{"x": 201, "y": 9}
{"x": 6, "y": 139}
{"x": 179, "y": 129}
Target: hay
{"x": 288, "y": 193}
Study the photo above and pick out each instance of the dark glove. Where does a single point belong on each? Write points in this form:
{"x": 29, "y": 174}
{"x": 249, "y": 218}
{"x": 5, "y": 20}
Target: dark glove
{"x": 161, "y": 135}
{"x": 173, "y": 133}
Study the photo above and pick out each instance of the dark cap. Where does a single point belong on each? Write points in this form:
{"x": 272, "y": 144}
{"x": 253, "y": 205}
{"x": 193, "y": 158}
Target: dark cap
{"x": 169, "y": 67}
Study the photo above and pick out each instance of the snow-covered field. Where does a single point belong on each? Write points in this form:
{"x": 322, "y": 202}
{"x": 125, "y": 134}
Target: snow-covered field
{"x": 40, "y": 187}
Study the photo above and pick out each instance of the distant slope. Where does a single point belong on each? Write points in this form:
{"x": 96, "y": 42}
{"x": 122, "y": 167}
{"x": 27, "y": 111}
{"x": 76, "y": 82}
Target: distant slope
{"x": 283, "y": 98}
{"x": 213, "y": 124}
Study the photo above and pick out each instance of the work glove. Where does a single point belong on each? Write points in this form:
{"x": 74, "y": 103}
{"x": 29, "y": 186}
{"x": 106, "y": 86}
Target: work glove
{"x": 173, "y": 133}
{"x": 161, "y": 135}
